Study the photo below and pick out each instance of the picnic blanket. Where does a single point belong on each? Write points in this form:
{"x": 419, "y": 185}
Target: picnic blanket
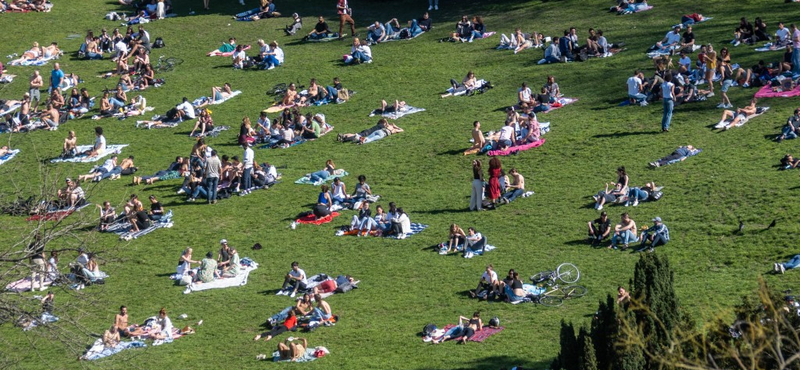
{"x": 307, "y": 178}
{"x": 24, "y": 284}
{"x": 518, "y": 148}
{"x": 416, "y": 228}
{"x": 205, "y": 99}
{"x": 468, "y": 253}
{"x": 405, "y": 110}
{"x": 226, "y": 54}
{"x": 770, "y": 47}
{"x": 666, "y": 51}
{"x": 110, "y": 149}
{"x": 123, "y": 228}
{"x": 56, "y": 215}
{"x": 33, "y": 62}
{"x": 759, "y": 111}
{"x": 7, "y": 78}
{"x": 98, "y": 350}
{"x": 638, "y": 10}
{"x": 479, "y": 336}
{"x": 248, "y": 266}
{"x": 396, "y": 37}
{"x": 328, "y": 37}
{"x": 299, "y": 140}
{"x": 563, "y": 102}
{"x": 9, "y": 156}
{"x": 766, "y": 92}
{"x": 311, "y": 219}
{"x": 308, "y": 356}
{"x": 214, "y": 132}
{"x": 10, "y": 109}
{"x": 478, "y": 85}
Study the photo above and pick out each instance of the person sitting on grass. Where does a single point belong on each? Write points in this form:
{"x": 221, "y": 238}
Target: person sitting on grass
{"x": 294, "y": 281}
{"x": 624, "y": 232}
{"x": 107, "y": 215}
{"x": 599, "y": 229}
{"x": 515, "y": 189}
{"x": 274, "y": 57}
{"x": 475, "y": 242}
{"x": 288, "y": 324}
{"x": 360, "y": 52}
{"x": 288, "y": 351}
{"x": 738, "y": 117}
{"x": 606, "y": 196}
{"x": 488, "y": 286}
{"x": 658, "y": 234}
{"x": 792, "y": 127}
{"x": 636, "y": 89}
{"x": 72, "y": 195}
{"x": 457, "y": 237}
{"x": 469, "y": 327}
{"x": 376, "y": 33}
{"x": 320, "y": 31}
{"x": 303, "y": 307}
{"x": 401, "y": 224}
{"x": 208, "y": 269}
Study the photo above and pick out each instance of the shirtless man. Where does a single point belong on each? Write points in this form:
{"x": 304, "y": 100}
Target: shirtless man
{"x": 323, "y": 310}
{"x": 36, "y": 83}
{"x": 51, "y": 117}
{"x": 738, "y": 116}
{"x": 69, "y": 149}
{"x": 478, "y": 141}
{"x": 24, "y": 111}
{"x": 121, "y": 323}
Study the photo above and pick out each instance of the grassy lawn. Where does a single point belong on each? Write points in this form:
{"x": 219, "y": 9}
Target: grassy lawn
{"x": 405, "y": 284}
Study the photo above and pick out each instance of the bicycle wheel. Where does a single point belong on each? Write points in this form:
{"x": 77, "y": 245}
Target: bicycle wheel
{"x": 173, "y": 61}
{"x": 574, "y": 291}
{"x": 542, "y": 277}
{"x": 568, "y": 273}
{"x": 551, "y": 301}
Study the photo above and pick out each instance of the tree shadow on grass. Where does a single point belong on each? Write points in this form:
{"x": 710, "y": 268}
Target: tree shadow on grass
{"x": 452, "y": 152}
{"x": 623, "y": 134}
{"x": 499, "y": 362}
{"x": 441, "y": 211}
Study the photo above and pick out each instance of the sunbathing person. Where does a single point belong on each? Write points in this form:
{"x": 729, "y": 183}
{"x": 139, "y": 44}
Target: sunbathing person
{"x": 33, "y": 53}
{"x": 478, "y": 140}
{"x": 738, "y": 117}
{"x": 792, "y": 127}
{"x": 360, "y": 52}
{"x": 172, "y": 172}
{"x": 204, "y": 122}
{"x": 398, "y": 106}
{"x": 69, "y": 148}
{"x": 288, "y": 324}
{"x": 640, "y": 194}
{"x": 108, "y": 169}
{"x": 469, "y": 83}
{"x": 679, "y": 154}
{"x": 457, "y": 237}
{"x": 629, "y": 6}
{"x": 226, "y": 48}
{"x": 607, "y": 196}
{"x": 288, "y": 351}
{"x": 121, "y": 324}
{"x": 265, "y": 10}
{"x": 624, "y": 233}
{"x": 72, "y": 195}
{"x": 515, "y": 189}
{"x": 469, "y": 327}
{"x": 382, "y": 129}
{"x": 304, "y": 306}
{"x": 324, "y": 203}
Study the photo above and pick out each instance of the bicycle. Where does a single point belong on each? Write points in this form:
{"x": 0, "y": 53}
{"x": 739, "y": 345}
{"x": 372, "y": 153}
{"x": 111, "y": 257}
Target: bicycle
{"x": 167, "y": 64}
{"x": 551, "y": 299}
{"x": 566, "y": 272}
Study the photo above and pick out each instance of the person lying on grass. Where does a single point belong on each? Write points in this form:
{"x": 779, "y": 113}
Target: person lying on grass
{"x": 108, "y": 169}
{"x": 737, "y": 117}
{"x": 468, "y": 327}
{"x": 789, "y": 162}
{"x": 792, "y": 127}
{"x": 265, "y": 10}
{"x": 171, "y": 172}
{"x": 228, "y": 47}
{"x": 640, "y": 194}
{"x": 680, "y": 153}
{"x": 629, "y": 6}
{"x": 381, "y": 130}
{"x": 289, "y": 351}
{"x": 469, "y": 83}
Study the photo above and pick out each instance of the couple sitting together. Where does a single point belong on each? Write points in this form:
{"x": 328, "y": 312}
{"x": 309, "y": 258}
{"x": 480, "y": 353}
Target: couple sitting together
{"x": 394, "y": 222}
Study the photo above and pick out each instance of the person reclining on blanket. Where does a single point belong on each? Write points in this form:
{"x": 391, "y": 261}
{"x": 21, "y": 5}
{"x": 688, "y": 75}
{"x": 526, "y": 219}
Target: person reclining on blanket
{"x": 294, "y": 281}
{"x": 303, "y": 307}
{"x": 360, "y": 52}
{"x": 70, "y": 196}
{"x": 108, "y": 169}
{"x": 289, "y": 324}
{"x": 792, "y": 127}
{"x": 738, "y": 117}
{"x": 599, "y": 229}
{"x": 228, "y": 47}
{"x": 466, "y": 329}
{"x": 640, "y": 194}
{"x": 629, "y": 6}
{"x": 376, "y": 33}
{"x": 658, "y": 234}
{"x": 172, "y": 172}
{"x": 793, "y": 263}
{"x": 33, "y": 53}
{"x": 265, "y": 10}
{"x": 397, "y": 107}
{"x": 606, "y": 196}
{"x": 680, "y": 153}
{"x": 670, "y": 41}
{"x": 383, "y": 129}
{"x": 288, "y": 351}
{"x": 331, "y": 285}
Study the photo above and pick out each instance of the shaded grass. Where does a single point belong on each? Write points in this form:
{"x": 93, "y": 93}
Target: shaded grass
{"x": 404, "y": 284}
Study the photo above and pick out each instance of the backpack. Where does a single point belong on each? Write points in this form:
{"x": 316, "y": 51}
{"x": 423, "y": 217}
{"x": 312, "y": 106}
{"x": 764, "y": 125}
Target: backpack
{"x": 656, "y": 195}
{"x": 159, "y": 43}
{"x": 428, "y": 330}
{"x": 346, "y": 287}
{"x": 343, "y": 95}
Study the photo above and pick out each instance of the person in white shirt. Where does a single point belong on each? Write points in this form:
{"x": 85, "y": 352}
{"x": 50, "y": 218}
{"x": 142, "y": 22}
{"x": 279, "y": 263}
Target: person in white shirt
{"x": 781, "y": 36}
{"x": 99, "y": 144}
{"x": 99, "y": 173}
{"x": 668, "y": 95}
{"x": 247, "y": 175}
{"x": 684, "y": 64}
{"x": 671, "y": 39}
{"x": 185, "y": 109}
{"x": 121, "y": 49}
{"x": 524, "y": 94}
{"x": 488, "y": 283}
{"x": 475, "y": 242}
{"x": 274, "y": 56}
{"x": 507, "y": 137}
{"x": 294, "y": 280}
{"x": 239, "y": 57}
{"x": 401, "y": 224}
{"x": 360, "y": 52}
{"x": 635, "y": 88}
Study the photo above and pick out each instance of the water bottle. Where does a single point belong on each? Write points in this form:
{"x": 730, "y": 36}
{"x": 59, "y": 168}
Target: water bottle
{"x": 294, "y": 225}
{"x": 183, "y": 316}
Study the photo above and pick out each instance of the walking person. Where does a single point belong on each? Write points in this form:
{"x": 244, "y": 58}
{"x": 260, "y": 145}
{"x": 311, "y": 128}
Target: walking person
{"x": 795, "y": 49}
{"x": 668, "y": 95}
{"x": 213, "y": 168}
{"x": 476, "y": 197}
{"x": 344, "y": 17}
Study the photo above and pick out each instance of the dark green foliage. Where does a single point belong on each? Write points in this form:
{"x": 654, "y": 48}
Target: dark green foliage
{"x": 588, "y": 360}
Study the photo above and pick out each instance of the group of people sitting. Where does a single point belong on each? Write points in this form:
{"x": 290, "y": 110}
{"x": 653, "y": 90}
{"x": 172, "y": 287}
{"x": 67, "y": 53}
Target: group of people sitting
{"x": 25, "y": 6}
{"x": 625, "y": 233}
{"x": 289, "y": 128}
{"x": 500, "y": 189}
{"x": 227, "y": 264}
{"x": 751, "y": 33}
{"x": 303, "y": 312}
{"x": 467, "y": 242}
{"x": 269, "y": 55}
{"x": 468, "y": 30}
{"x": 315, "y": 94}
{"x": 490, "y": 287}
{"x": 620, "y": 192}
{"x": 133, "y": 214}
{"x": 381, "y": 32}
{"x": 145, "y": 11}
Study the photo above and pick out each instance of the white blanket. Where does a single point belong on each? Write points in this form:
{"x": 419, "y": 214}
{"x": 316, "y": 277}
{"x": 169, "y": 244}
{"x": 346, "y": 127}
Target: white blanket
{"x": 238, "y": 280}
{"x": 11, "y": 109}
{"x": 9, "y": 156}
{"x": 116, "y": 149}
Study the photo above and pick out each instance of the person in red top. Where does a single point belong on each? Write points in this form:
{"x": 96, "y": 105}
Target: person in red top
{"x": 344, "y": 17}
{"x": 495, "y": 167}
{"x": 288, "y": 324}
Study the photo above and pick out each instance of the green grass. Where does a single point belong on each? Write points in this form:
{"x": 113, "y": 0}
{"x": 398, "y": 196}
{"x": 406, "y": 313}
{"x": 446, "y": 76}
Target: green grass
{"x": 405, "y": 285}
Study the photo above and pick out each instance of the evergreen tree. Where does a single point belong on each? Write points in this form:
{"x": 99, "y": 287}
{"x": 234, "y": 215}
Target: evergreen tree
{"x": 604, "y": 333}
{"x": 588, "y": 361}
{"x": 570, "y": 351}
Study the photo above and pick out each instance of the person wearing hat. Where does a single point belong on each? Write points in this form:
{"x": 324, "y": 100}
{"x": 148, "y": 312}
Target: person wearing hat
{"x": 71, "y": 195}
{"x": 224, "y": 256}
{"x": 658, "y": 234}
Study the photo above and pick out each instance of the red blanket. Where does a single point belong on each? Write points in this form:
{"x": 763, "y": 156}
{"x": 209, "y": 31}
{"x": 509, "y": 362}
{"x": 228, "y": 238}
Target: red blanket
{"x": 310, "y": 219}
{"x": 481, "y": 335}
{"x": 518, "y": 148}
{"x": 51, "y": 216}
{"x": 766, "y": 92}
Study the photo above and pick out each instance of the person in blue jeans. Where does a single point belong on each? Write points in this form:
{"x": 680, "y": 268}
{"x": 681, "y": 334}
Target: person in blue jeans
{"x": 478, "y": 28}
{"x": 213, "y": 169}
{"x": 359, "y": 53}
{"x": 668, "y": 95}
{"x": 303, "y": 307}
{"x": 624, "y": 233}
{"x": 322, "y": 175}
{"x": 796, "y": 49}
{"x": 791, "y": 264}
{"x": 657, "y": 235}
{"x": 792, "y": 127}
{"x": 637, "y": 195}
{"x": 378, "y": 32}
{"x": 516, "y": 188}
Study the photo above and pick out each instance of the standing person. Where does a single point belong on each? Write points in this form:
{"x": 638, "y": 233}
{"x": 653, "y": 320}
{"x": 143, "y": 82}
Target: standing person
{"x": 344, "y": 12}
{"x": 668, "y": 95}
{"x": 433, "y": 4}
{"x": 205, "y": 4}
{"x": 796, "y": 49}
{"x": 247, "y": 175}
{"x": 36, "y": 83}
{"x": 213, "y": 169}
{"x": 56, "y": 76}
{"x": 476, "y": 197}
{"x": 297, "y": 278}
{"x": 495, "y": 167}
{"x": 711, "y": 67}
{"x": 39, "y": 267}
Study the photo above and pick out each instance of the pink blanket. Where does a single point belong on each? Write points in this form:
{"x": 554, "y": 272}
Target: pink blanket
{"x": 518, "y": 148}
{"x": 563, "y": 102}
{"x": 766, "y": 92}
{"x": 310, "y": 219}
{"x": 24, "y": 285}
{"x": 479, "y": 336}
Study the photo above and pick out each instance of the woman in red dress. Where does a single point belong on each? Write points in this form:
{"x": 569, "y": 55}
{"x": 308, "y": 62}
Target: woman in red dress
{"x": 494, "y": 179}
